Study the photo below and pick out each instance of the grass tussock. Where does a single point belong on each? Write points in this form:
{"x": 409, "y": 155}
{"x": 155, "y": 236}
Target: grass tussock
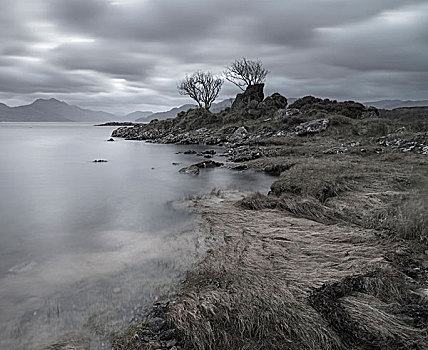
{"x": 320, "y": 179}
{"x": 367, "y": 311}
{"x": 407, "y": 218}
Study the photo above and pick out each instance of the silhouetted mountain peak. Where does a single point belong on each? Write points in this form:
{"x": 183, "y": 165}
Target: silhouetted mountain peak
{"x": 48, "y": 101}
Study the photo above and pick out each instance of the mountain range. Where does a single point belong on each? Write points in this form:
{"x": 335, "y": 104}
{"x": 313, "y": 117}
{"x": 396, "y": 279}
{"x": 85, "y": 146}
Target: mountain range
{"x": 52, "y": 110}
{"x": 391, "y": 104}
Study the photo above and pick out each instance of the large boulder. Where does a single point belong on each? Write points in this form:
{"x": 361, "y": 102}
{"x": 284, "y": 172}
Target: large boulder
{"x": 250, "y": 98}
{"x": 273, "y": 102}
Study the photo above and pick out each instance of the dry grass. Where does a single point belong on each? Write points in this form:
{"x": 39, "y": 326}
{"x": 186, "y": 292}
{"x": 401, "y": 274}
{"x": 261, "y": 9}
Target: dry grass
{"x": 407, "y": 217}
{"x": 253, "y": 289}
{"x": 318, "y": 178}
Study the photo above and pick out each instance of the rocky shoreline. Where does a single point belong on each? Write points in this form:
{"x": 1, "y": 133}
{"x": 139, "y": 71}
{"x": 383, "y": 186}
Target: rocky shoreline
{"x": 334, "y": 257}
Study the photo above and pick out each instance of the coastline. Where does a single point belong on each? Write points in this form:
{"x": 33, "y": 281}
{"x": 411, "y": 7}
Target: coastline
{"x": 333, "y": 257}
{"x": 268, "y": 279}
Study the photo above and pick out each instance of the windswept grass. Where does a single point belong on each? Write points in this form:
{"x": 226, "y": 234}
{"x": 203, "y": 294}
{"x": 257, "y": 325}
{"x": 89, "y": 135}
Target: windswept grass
{"x": 407, "y": 218}
{"x": 317, "y": 178}
{"x": 277, "y": 282}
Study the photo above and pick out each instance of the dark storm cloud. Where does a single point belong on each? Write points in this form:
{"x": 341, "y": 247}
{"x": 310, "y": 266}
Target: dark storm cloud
{"x": 122, "y": 55}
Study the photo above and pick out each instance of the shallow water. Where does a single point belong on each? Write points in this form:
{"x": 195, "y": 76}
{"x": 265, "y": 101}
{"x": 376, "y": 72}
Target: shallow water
{"x": 86, "y": 247}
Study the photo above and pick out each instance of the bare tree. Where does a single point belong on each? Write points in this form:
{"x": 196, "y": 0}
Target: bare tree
{"x": 202, "y": 87}
{"x": 244, "y": 73}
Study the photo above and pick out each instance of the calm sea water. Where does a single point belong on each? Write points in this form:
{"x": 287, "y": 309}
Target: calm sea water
{"x": 86, "y": 247}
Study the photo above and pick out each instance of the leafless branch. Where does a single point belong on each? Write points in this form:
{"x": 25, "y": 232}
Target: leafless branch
{"x": 202, "y": 87}
{"x": 244, "y": 73}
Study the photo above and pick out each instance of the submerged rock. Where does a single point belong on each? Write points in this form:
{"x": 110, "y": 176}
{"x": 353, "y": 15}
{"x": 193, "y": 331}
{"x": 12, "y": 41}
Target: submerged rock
{"x": 100, "y": 161}
{"x": 191, "y": 170}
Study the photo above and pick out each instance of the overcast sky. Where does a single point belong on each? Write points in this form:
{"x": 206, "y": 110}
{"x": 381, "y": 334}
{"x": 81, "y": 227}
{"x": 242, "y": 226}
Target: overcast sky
{"x": 127, "y": 55}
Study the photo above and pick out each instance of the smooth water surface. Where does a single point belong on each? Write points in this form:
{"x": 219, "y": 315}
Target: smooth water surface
{"x": 85, "y": 247}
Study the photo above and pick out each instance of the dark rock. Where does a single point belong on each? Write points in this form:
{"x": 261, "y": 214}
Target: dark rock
{"x": 156, "y": 323}
{"x": 117, "y": 124}
{"x": 210, "y": 151}
{"x": 111, "y": 139}
{"x": 208, "y": 156}
{"x": 189, "y": 151}
{"x": 191, "y": 170}
{"x": 312, "y": 105}
{"x": 312, "y": 127}
{"x": 208, "y": 164}
{"x": 305, "y": 101}
{"x": 100, "y": 161}
{"x": 167, "y": 335}
{"x": 174, "y": 163}
{"x": 240, "y": 167}
{"x": 273, "y": 102}
{"x": 245, "y": 100}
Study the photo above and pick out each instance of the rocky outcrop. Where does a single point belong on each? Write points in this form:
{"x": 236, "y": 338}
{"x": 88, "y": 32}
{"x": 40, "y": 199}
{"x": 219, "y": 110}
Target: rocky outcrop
{"x": 273, "y": 103}
{"x": 312, "y": 105}
{"x": 254, "y": 104}
{"x": 312, "y": 127}
{"x": 252, "y": 96}
{"x": 417, "y": 144}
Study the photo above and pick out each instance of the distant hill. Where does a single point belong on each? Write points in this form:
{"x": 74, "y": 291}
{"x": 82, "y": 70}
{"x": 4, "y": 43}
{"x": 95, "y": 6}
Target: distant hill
{"x": 136, "y": 115}
{"x": 172, "y": 113}
{"x": 52, "y": 110}
{"x": 391, "y": 104}
{"x": 218, "y": 107}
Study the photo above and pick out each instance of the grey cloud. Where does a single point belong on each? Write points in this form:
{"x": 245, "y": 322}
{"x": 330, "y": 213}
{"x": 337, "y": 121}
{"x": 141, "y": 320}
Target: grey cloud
{"x": 102, "y": 57}
{"x": 138, "y": 50}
